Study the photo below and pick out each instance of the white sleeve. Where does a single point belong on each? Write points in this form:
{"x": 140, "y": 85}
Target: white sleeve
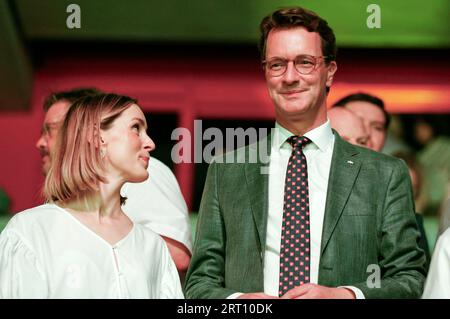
{"x": 437, "y": 285}
{"x": 21, "y": 274}
{"x": 170, "y": 281}
{"x": 158, "y": 204}
{"x": 358, "y": 293}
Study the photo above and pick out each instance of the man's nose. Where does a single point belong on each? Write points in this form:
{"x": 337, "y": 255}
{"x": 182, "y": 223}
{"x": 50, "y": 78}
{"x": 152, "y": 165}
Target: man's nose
{"x": 369, "y": 143}
{"x": 41, "y": 143}
{"x": 291, "y": 75}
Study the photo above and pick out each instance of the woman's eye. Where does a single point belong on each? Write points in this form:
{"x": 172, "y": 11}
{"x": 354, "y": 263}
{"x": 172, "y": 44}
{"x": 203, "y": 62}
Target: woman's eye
{"x": 135, "y": 127}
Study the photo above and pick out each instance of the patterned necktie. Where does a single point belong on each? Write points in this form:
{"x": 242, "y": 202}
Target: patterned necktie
{"x": 295, "y": 242}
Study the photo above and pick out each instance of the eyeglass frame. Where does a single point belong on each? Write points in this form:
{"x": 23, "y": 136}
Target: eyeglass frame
{"x": 265, "y": 62}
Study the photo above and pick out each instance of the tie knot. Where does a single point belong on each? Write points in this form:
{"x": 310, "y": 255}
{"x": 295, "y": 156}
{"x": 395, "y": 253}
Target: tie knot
{"x": 298, "y": 141}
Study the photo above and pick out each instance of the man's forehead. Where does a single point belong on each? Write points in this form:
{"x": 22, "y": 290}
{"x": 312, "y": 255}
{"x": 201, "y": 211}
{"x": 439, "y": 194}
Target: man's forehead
{"x": 52, "y": 124}
{"x": 366, "y": 110}
{"x": 57, "y": 112}
{"x": 297, "y": 38}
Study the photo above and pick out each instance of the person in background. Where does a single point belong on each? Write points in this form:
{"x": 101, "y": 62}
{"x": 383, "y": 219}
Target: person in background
{"x": 431, "y": 138}
{"x": 349, "y": 126}
{"x": 372, "y": 112}
{"x": 156, "y": 202}
{"x": 81, "y": 244}
{"x": 415, "y": 173}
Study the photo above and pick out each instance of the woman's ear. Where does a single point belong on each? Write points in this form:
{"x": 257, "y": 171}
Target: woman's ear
{"x": 102, "y": 141}
{"x": 102, "y": 146}
{"x": 96, "y": 137}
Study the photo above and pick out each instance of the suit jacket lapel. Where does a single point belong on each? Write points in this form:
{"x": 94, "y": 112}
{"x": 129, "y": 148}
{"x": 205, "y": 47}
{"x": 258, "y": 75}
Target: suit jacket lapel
{"x": 345, "y": 166}
{"x": 257, "y": 178}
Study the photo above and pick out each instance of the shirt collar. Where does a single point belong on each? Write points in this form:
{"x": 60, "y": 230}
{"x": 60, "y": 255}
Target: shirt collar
{"x": 321, "y": 136}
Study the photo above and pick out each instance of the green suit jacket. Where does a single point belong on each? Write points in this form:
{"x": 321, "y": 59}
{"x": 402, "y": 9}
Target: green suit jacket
{"x": 369, "y": 220}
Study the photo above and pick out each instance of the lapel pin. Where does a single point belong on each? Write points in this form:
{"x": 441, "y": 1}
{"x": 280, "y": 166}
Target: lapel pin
{"x": 350, "y": 162}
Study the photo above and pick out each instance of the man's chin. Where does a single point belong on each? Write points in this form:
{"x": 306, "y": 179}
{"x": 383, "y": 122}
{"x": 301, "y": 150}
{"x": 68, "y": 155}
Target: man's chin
{"x": 293, "y": 108}
{"x": 44, "y": 171}
{"x": 45, "y": 167}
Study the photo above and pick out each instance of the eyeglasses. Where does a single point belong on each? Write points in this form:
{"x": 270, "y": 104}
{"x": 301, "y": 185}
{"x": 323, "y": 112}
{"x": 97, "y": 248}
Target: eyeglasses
{"x": 304, "y": 64}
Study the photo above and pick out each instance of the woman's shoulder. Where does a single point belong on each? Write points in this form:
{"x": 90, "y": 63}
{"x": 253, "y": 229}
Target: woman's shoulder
{"x": 38, "y": 212}
{"x": 142, "y": 230}
{"x": 33, "y": 218}
{"x": 27, "y": 228}
{"x": 145, "y": 235}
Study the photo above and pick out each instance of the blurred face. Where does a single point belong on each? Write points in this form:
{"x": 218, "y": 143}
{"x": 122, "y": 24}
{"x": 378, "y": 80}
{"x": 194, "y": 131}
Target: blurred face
{"x": 126, "y": 146}
{"x": 349, "y": 126}
{"x": 52, "y": 122}
{"x": 374, "y": 122}
{"x": 423, "y": 132}
{"x": 297, "y": 95}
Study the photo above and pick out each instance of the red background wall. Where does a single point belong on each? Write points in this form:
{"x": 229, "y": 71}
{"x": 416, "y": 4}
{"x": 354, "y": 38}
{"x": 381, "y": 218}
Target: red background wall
{"x": 197, "y": 88}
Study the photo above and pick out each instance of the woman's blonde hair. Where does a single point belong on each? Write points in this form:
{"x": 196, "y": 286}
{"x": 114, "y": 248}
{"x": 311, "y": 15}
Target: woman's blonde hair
{"x": 77, "y": 166}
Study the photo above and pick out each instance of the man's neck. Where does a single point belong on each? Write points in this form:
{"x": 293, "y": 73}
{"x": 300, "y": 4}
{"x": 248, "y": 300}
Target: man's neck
{"x": 301, "y": 124}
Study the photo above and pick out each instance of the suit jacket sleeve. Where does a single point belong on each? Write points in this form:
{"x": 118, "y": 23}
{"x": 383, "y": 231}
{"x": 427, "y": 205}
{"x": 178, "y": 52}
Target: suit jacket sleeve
{"x": 205, "y": 277}
{"x": 401, "y": 262}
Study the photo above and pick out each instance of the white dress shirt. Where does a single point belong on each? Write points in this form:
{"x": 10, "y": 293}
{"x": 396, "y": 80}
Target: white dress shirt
{"x": 318, "y": 157}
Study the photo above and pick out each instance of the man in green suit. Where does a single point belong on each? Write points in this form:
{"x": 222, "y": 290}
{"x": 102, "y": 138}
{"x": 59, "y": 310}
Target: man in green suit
{"x": 317, "y": 218}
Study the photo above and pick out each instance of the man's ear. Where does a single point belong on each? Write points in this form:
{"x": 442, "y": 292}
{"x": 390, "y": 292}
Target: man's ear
{"x": 332, "y": 68}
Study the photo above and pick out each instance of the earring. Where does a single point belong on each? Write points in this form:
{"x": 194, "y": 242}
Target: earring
{"x": 102, "y": 153}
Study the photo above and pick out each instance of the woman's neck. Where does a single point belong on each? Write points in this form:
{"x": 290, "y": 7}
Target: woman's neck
{"x": 105, "y": 202}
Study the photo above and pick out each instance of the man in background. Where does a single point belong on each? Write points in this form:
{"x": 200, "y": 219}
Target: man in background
{"x": 349, "y": 126}
{"x": 370, "y": 109}
{"x": 157, "y": 202}
{"x": 372, "y": 114}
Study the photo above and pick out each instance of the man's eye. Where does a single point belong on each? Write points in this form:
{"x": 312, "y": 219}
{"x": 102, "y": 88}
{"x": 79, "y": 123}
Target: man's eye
{"x": 276, "y": 65}
{"x": 378, "y": 128}
{"x": 52, "y": 131}
{"x": 305, "y": 62}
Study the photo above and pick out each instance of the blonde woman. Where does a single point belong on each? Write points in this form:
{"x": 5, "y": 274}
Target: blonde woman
{"x": 81, "y": 244}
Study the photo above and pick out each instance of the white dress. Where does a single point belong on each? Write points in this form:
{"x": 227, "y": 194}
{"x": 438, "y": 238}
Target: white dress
{"x": 158, "y": 204}
{"x": 45, "y": 252}
{"x": 437, "y": 285}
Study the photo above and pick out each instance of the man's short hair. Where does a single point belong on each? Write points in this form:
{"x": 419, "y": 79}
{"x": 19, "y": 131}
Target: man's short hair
{"x": 77, "y": 166}
{"x": 70, "y": 96}
{"x": 293, "y": 17}
{"x": 364, "y": 97}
